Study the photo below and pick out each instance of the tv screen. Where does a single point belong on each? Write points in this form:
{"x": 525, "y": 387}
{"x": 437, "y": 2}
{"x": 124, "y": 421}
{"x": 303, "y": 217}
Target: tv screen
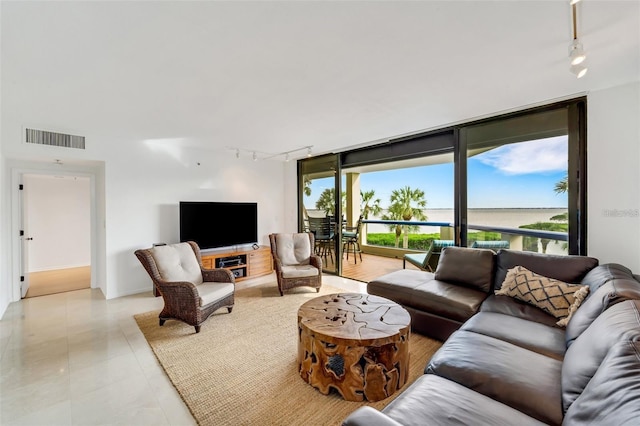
{"x": 218, "y": 224}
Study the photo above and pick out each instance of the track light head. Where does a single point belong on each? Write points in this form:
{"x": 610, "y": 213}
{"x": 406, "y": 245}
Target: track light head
{"x": 237, "y": 153}
{"x": 255, "y": 156}
{"x": 308, "y": 151}
{"x": 579, "y": 70}
{"x": 576, "y": 52}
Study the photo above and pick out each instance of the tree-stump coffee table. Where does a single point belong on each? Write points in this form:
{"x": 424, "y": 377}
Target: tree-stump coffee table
{"x": 355, "y": 343}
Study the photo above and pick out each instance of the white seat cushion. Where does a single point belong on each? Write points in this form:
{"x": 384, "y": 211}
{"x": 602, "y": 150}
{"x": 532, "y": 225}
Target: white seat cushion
{"x": 212, "y": 292}
{"x": 177, "y": 262}
{"x": 299, "y": 271}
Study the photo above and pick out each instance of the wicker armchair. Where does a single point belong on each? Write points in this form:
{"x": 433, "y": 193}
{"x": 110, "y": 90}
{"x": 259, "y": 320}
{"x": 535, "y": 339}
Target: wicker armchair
{"x": 191, "y": 293}
{"x": 295, "y": 262}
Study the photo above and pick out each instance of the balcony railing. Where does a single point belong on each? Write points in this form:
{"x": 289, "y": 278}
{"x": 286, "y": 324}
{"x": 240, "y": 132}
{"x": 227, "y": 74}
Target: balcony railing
{"x": 515, "y": 236}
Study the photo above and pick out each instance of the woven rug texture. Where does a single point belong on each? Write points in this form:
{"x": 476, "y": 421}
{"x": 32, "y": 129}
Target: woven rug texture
{"x": 242, "y": 368}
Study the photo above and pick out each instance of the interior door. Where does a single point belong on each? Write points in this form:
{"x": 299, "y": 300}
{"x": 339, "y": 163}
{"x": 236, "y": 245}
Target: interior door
{"x": 321, "y": 207}
{"x": 24, "y": 243}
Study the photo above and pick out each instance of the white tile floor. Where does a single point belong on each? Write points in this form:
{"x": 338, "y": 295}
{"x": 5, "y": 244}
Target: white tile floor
{"x": 77, "y": 359}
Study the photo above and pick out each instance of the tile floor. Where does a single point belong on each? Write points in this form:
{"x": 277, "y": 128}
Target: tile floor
{"x": 77, "y": 359}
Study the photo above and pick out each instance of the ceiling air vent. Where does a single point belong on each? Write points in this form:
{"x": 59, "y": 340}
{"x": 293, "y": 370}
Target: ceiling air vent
{"x": 42, "y": 137}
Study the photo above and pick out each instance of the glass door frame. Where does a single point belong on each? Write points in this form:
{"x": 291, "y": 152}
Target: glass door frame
{"x": 325, "y": 164}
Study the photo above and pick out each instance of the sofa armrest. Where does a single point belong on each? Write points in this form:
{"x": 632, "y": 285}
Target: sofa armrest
{"x": 367, "y": 416}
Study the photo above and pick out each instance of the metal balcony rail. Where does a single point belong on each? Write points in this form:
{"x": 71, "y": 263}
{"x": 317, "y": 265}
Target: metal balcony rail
{"x": 536, "y": 233}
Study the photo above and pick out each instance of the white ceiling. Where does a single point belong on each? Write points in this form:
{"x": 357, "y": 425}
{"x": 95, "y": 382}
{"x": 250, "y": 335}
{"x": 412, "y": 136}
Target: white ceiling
{"x": 277, "y": 76}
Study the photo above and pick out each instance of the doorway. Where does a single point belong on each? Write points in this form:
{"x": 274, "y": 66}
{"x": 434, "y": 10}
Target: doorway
{"x": 57, "y": 233}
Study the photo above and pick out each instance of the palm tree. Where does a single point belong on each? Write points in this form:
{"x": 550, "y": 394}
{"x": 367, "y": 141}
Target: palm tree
{"x": 562, "y": 185}
{"x": 306, "y": 182}
{"x": 394, "y": 213}
{"x": 326, "y": 201}
{"x": 369, "y": 205}
{"x": 306, "y": 189}
{"x": 543, "y": 226}
{"x": 409, "y": 203}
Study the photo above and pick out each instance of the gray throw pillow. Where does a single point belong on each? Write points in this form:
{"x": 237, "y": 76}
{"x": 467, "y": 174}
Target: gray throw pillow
{"x": 468, "y": 266}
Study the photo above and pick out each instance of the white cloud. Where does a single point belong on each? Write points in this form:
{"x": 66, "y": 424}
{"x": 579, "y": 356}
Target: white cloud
{"x": 544, "y": 155}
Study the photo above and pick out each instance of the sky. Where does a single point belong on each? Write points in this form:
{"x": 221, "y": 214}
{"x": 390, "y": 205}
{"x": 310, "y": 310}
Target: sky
{"x": 517, "y": 175}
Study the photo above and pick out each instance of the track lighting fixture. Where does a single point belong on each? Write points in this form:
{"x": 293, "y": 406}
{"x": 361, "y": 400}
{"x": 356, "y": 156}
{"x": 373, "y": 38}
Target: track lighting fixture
{"x": 258, "y": 155}
{"x": 577, "y": 55}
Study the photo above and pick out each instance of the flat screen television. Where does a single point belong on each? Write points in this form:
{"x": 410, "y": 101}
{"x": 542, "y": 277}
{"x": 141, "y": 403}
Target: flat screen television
{"x": 218, "y": 224}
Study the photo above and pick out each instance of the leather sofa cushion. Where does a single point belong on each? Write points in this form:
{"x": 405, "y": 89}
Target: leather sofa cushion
{"x": 510, "y": 306}
{"x": 602, "y": 274}
{"x": 540, "y": 338}
{"x": 433, "y": 400}
{"x": 583, "y": 358}
{"x": 419, "y": 290}
{"x": 447, "y": 300}
{"x": 399, "y": 285}
{"x": 613, "y": 394}
{"x": 612, "y": 292}
{"x": 570, "y": 269}
{"x": 467, "y": 266}
{"x": 517, "y": 377}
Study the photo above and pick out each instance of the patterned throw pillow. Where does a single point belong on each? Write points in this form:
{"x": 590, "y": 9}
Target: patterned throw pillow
{"x": 552, "y": 296}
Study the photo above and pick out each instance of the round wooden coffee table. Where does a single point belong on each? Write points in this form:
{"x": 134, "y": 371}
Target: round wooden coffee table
{"x": 355, "y": 343}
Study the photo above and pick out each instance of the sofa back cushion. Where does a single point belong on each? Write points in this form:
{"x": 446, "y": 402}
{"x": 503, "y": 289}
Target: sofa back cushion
{"x": 620, "y": 323}
{"x": 177, "y": 262}
{"x": 602, "y": 274}
{"x": 570, "y": 269}
{"x": 610, "y": 284}
{"x": 613, "y": 394}
{"x": 467, "y": 266}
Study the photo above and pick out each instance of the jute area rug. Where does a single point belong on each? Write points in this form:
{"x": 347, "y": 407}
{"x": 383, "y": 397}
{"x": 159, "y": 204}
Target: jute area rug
{"x": 242, "y": 369}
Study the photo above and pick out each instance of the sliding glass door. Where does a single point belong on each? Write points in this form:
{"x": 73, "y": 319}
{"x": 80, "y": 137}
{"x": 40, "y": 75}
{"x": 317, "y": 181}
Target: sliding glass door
{"x": 321, "y": 207}
{"x": 514, "y": 181}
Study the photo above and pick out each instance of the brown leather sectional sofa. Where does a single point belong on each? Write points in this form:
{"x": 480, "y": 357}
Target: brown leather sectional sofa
{"x": 506, "y": 362}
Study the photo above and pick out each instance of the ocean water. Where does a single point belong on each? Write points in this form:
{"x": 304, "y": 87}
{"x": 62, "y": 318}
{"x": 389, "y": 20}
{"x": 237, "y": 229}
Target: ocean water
{"x": 507, "y": 217}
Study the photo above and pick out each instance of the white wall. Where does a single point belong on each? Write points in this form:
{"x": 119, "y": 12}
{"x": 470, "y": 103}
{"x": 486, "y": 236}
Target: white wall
{"x": 144, "y": 189}
{"x": 6, "y": 290}
{"x": 58, "y": 219}
{"x": 613, "y": 176}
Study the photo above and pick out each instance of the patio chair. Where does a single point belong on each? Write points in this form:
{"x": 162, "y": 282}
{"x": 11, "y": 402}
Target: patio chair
{"x": 190, "y": 292}
{"x": 295, "y": 262}
{"x": 350, "y": 240}
{"x": 492, "y": 245}
{"x": 428, "y": 261}
{"x": 421, "y": 260}
{"x": 322, "y": 230}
